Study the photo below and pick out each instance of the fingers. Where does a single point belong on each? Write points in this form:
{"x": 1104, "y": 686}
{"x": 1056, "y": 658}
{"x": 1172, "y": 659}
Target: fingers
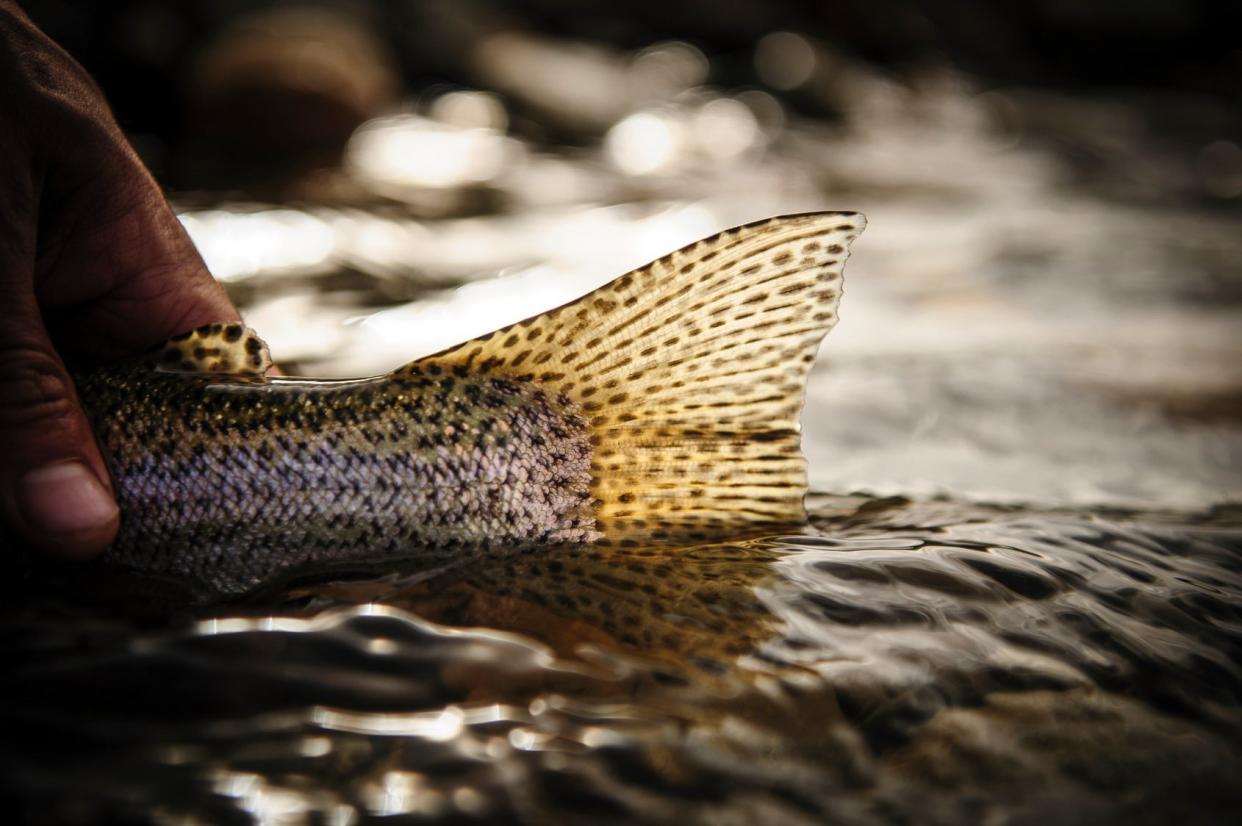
{"x": 93, "y": 259}
{"x": 116, "y": 271}
{"x": 54, "y": 487}
{"x": 129, "y": 279}
{"x": 54, "y": 490}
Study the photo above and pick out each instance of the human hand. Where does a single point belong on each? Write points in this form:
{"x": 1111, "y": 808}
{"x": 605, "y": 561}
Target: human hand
{"x": 94, "y": 265}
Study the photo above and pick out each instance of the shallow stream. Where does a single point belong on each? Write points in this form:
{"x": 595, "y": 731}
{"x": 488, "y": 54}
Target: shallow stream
{"x": 933, "y": 662}
{"x": 1018, "y": 601}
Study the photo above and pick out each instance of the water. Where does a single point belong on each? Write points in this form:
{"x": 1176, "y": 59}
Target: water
{"x": 920, "y": 662}
{"x": 1013, "y": 331}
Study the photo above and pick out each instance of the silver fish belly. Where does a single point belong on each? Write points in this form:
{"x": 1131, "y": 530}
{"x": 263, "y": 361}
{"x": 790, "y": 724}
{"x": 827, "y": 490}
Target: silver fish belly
{"x": 223, "y": 481}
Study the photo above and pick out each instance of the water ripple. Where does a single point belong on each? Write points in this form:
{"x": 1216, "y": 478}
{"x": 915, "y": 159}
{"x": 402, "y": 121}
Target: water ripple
{"x": 933, "y": 662}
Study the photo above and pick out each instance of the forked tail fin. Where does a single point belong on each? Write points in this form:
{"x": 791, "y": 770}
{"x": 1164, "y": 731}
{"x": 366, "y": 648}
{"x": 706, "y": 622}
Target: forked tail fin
{"x": 690, "y": 373}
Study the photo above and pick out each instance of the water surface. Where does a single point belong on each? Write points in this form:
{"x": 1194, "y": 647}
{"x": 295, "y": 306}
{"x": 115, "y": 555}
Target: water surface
{"x": 1014, "y": 330}
{"x": 898, "y": 661}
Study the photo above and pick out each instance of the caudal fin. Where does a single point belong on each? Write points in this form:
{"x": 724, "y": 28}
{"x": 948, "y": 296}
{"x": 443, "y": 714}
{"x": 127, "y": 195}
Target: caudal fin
{"x": 690, "y": 373}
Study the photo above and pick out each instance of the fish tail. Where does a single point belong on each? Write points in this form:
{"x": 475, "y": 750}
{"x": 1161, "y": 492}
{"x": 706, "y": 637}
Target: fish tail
{"x": 690, "y": 373}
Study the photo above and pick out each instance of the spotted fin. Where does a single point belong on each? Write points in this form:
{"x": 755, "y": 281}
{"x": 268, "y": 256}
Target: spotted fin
{"x": 691, "y": 373}
{"x": 231, "y": 348}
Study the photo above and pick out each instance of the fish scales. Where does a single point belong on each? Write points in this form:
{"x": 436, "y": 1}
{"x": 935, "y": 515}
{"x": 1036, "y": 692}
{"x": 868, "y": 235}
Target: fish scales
{"x": 326, "y": 470}
{"x": 661, "y": 407}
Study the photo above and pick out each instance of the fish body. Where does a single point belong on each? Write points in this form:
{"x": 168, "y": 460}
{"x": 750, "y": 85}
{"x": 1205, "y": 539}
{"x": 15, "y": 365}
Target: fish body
{"x": 661, "y": 406}
{"x": 222, "y": 479}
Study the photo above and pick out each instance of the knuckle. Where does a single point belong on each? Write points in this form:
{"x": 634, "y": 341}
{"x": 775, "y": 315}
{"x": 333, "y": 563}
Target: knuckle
{"x": 34, "y": 389}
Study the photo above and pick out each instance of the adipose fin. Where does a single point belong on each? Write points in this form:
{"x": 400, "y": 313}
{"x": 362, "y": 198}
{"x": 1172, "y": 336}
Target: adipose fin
{"x": 225, "y": 348}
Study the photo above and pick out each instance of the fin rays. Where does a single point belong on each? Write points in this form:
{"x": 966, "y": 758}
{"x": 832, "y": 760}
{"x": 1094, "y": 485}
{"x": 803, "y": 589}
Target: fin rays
{"x": 690, "y": 372}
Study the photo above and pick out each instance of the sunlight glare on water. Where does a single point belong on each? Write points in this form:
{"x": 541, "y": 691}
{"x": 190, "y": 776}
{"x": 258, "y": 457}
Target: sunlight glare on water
{"x": 1066, "y": 658}
{"x": 1016, "y": 600}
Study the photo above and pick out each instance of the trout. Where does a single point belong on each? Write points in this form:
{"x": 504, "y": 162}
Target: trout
{"x": 660, "y": 407}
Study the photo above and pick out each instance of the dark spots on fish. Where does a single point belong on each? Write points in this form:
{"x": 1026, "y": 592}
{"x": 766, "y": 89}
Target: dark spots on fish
{"x": 253, "y": 345}
{"x": 232, "y": 333}
{"x": 770, "y": 436}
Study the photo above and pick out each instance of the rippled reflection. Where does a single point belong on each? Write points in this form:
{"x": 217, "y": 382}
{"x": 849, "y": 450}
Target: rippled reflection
{"x": 896, "y": 656}
{"x": 693, "y": 606}
{"x": 1014, "y": 330}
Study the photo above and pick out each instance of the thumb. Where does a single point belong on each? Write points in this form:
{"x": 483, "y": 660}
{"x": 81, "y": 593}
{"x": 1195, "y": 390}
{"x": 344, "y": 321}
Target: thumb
{"x": 54, "y": 487}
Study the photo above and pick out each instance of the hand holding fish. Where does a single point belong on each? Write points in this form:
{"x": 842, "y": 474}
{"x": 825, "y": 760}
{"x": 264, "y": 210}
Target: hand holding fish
{"x": 663, "y": 406}
{"x": 93, "y": 266}
{"x": 660, "y": 408}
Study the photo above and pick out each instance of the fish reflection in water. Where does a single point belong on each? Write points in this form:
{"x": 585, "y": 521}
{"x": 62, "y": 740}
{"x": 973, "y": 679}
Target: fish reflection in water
{"x": 931, "y": 662}
{"x": 684, "y": 606}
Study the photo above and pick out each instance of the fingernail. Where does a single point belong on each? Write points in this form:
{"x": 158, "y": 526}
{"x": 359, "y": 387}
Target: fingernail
{"x": 64, "y": 498}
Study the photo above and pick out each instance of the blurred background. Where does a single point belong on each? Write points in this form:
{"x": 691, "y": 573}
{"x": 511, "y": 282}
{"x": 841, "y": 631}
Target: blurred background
{"x": 1045, "y": 307}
